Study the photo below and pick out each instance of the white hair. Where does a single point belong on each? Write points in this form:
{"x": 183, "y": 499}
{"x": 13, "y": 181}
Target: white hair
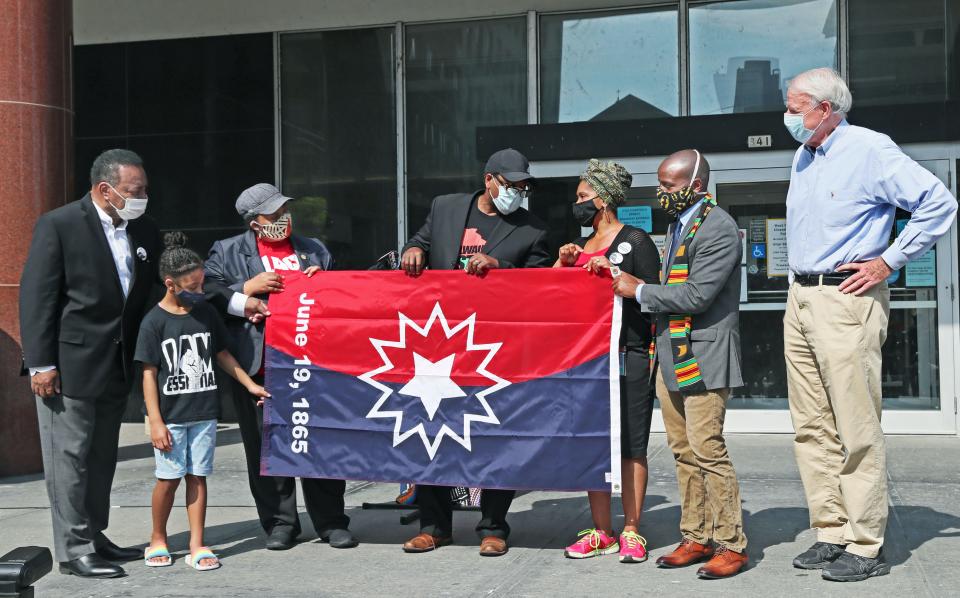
{"x": 824, "y": 85}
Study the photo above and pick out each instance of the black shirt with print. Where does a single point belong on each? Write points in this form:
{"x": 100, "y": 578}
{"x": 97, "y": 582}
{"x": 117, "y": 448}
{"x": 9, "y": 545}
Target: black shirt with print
{"x": 184, "y": 349}
{"x": 476, "y": 234}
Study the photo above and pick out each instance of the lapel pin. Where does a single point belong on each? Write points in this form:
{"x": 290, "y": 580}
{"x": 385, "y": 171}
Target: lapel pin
{"x": 142, "y": 254}
{"x": 303, "y": 256}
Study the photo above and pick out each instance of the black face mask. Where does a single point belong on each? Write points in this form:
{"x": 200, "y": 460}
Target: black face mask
{"x": 584, "y": 212}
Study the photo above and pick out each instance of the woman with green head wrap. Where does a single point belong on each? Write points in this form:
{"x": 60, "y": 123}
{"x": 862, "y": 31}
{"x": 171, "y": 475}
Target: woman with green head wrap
{"x": 612, "y": 244}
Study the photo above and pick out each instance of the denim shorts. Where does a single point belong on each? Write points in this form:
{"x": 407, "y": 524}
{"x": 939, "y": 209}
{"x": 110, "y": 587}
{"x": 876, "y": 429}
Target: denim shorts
{"x": 191, "y": 451}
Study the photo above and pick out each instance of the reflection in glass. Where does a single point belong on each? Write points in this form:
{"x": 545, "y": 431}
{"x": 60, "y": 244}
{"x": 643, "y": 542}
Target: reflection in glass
{"x": 903, "y": 52}
{"x": 460, "y": 76}
{"x": 338, "y": 140}
{"x": 609, "y": 65}
{"x": 744, "y": 53}
{"x": 202, "y": 146}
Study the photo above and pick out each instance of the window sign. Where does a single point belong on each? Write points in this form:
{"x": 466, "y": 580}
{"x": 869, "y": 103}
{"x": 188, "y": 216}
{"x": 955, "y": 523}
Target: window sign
{"x": 637, "y": 216}
{"x": 776, "y": 248}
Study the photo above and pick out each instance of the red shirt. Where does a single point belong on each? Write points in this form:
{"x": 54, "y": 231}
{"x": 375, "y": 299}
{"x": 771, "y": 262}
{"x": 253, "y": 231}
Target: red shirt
{"x": 584, "y": 257}
{"x": 278, "y": 256}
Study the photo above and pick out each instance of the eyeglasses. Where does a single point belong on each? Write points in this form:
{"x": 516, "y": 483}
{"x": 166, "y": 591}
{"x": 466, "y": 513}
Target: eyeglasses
{"x": 522, "y": 186}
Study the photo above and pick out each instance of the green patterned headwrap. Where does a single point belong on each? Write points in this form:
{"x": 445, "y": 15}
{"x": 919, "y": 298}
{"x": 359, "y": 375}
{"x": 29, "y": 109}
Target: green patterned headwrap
{"x": 609, "y": 179}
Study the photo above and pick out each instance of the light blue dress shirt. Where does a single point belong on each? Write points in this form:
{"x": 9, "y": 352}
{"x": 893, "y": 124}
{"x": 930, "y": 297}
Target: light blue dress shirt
{"x": 669, "y": 243}
{"x": 843, "y": 198}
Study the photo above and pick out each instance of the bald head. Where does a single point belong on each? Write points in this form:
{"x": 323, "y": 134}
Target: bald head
{"x": 677, "y": 171}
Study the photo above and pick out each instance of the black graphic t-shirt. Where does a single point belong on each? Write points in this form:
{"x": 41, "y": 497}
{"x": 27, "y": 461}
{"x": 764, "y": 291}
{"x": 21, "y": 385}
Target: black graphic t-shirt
{"x": 184, "y": 349}
{"x": 476, "y": 234}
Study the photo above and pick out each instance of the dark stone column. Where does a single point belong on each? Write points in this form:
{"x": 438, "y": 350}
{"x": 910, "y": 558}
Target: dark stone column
{"x": 36, "y": 167}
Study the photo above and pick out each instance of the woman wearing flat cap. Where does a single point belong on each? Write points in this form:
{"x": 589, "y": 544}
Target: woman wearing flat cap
{"x": 602, "y": 189}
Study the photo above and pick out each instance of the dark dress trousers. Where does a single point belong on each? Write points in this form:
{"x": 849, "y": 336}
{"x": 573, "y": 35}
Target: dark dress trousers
{"x": 232, "y": 262}
{"x": 73, "y": 315}
{"x": 517, "y": 241}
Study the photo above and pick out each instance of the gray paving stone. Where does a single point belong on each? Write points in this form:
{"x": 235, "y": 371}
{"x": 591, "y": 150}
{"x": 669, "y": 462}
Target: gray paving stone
{"x": 923, "y": 535}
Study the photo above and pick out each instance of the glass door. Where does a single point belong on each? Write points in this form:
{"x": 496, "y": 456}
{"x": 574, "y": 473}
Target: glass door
{"x": 917, "y": 391}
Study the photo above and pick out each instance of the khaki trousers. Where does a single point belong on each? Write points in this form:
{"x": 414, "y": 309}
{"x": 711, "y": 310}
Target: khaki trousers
{"x": 694, "y": 426}
{"x": 832, "y": 347}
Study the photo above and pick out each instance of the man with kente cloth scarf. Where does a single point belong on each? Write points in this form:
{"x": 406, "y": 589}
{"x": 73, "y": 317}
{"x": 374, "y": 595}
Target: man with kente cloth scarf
{"x": 696, "y": 309}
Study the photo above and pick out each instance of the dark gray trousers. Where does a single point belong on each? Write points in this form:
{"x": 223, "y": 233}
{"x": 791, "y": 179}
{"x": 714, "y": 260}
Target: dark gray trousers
{"x": 79, "y": 441}
{"x": 276, "y": 497}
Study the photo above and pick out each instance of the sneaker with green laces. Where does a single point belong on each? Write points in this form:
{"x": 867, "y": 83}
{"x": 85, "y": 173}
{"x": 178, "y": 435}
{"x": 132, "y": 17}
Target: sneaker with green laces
{"x": 592, "y": 542}
{"x": 633, "y": 548}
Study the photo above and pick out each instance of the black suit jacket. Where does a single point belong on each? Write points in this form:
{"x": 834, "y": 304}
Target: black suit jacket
{"x": 518, "y": 241}
{"x": 73, "y": 314}
{"x": 236, "y": 260}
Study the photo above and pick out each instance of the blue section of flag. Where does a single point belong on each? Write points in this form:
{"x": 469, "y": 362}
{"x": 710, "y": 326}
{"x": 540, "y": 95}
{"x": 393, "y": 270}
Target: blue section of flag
{"x": 554, "y": 432}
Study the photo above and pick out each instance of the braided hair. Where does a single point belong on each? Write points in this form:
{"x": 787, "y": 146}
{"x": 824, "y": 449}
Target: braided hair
{"x": 177, "y": 259}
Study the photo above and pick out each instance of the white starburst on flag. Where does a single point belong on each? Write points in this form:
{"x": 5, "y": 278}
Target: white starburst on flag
{"x": 432, "y": 382}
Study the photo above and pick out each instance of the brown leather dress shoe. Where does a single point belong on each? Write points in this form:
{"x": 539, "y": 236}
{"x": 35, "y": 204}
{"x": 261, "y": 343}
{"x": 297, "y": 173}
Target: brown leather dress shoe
{"x": 687, "y": 553}
{"x": 424, "y": 542}
{"x": 493, "y": 546}
{"x": 725, "y": 563}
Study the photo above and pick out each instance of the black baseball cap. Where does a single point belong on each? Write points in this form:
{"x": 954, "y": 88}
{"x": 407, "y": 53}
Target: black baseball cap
{"x": 510, "y": 164}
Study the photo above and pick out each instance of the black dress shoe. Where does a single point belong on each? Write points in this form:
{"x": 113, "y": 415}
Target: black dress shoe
{"x": 853, "y": 567}
{"x": 282, "y": 538}
{"x": 818, "y": 556}
{"x": 91, "y": 565}
{"x": 112, "y": 552}
{"x": 339, "y": 538}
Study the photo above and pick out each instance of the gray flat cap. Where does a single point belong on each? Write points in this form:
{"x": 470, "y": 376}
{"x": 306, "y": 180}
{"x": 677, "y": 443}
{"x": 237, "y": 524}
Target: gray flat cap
{"x": 262, "y": 198}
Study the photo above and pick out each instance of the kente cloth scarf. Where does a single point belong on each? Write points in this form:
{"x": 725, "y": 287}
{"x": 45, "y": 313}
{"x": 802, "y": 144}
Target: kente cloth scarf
{"x": 685, "y": 365}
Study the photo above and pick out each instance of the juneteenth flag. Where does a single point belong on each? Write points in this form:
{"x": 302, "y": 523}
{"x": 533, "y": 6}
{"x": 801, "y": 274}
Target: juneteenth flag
{"x": 509, "y": 381}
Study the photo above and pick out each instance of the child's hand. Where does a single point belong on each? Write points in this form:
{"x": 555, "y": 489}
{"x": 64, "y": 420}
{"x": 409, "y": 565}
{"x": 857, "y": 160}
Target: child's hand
{"x": 258, "y": 391}
{"x": 160, "y": 436}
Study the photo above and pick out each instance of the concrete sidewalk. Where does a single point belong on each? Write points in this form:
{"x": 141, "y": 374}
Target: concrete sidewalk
{"x": 923, "y": 536}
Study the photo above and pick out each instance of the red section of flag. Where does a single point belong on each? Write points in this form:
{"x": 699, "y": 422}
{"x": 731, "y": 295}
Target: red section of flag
{"x": 547, "y": 320}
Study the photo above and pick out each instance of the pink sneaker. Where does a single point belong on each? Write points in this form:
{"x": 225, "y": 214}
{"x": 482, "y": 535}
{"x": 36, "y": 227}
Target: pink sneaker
{"x": 592, "y": 542}
{"x": 633, "y": 548}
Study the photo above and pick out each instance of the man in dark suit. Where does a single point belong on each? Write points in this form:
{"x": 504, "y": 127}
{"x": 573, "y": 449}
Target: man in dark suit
{"x": 249, "y": 267}
{"x": 90, "y": 275}
{"x": 476, "y": 232}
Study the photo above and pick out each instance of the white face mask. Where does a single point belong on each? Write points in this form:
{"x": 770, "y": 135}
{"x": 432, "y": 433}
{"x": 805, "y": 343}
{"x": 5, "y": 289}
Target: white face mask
{"x": 508, "y": 199}
{"x": 132, "y": 209}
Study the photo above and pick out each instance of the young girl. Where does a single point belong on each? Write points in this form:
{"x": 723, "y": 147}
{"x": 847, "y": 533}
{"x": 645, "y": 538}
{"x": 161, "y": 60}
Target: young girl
{"x": 602, "y": 188}
{"x": 179, "y": 339}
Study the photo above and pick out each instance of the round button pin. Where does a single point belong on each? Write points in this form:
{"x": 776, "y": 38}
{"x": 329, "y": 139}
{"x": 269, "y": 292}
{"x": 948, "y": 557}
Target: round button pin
{"x": 624, "y": 248}
{"x": 616, "y": 258}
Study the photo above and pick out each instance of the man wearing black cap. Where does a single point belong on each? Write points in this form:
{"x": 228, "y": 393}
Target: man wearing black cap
{"x": 484, "y": 229}
{"x": 476, "y": 232}
{"x": 247, "y": 267}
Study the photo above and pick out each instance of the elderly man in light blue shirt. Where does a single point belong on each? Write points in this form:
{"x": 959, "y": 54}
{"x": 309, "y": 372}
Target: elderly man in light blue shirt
{"x": 845, "y": 186}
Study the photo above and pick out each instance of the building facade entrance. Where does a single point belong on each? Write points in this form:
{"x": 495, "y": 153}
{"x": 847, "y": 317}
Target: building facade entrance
{"x": 919, "y": 377}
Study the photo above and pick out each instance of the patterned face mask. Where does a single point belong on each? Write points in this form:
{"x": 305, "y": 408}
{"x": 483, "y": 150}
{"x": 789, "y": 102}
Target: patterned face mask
{"x": 675, "y": 202}
{"x": 276, "y": 231}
